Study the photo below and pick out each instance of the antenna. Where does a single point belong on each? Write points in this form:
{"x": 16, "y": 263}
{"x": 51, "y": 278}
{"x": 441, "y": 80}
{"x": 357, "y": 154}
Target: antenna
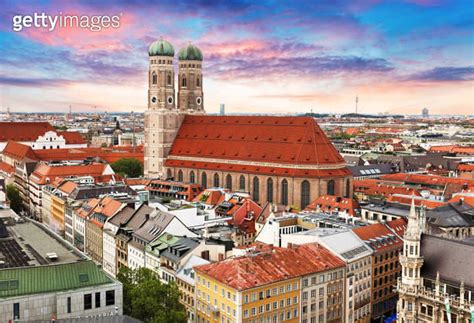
{"x": 357, "y": 102}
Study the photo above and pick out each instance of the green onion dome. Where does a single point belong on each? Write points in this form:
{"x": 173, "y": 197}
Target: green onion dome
{"x": 190, "y": 53}
{"x": 161, "y": 48}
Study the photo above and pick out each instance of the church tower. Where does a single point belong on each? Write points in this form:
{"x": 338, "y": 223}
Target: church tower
{"x": 190, "y": 83}
{"x": 411, "y": 261}
{"x": 162, "y": 119}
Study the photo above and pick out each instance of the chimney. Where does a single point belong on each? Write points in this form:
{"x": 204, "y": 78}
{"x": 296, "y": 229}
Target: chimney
{"x": 461, "y": 201}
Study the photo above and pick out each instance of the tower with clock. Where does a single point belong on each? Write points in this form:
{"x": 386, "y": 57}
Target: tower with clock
{"x": 162, "y": 118}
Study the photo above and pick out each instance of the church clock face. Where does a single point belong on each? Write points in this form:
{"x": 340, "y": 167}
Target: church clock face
{"x": 154, "y": 99}
{"x": 170, "y": 100}
{"x": 198, "y": 100}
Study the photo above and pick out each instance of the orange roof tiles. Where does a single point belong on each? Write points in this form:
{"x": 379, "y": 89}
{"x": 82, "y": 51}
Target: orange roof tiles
{"x": 463, "y": 150}
{"x": 379, "y": 236}
{"x": 331, "y": 203}
{"x": 19, "y": 151}
{"x": 373, "y": 187}
{"x": 72, "y": 137}
{"x": 23, "y": 131}
{"x": 266, "y": 267}
{"x": 6, "y": 168}
{"x": 45, "y": 173}
{"x": 468, "y": 199}
{"x": 425, "y": 179}
{"x": 430, "y": 204}
{"x": 279, "y": 140}
{"x": 466, "y": 167}
{"x": 110, "y": 155}
{"x": 210, "y": 197}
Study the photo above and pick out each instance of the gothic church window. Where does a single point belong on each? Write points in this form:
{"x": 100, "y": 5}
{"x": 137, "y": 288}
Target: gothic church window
{"x": 183, "y": 81}
{"x": 270, "y": 190}
{"x": 154, "y": 78}
{"x": 284, "y": 192}
{"x": 216, "y": 180}
{"x": 242, "y": 183}
{"x": 330, "y": 187}
{"x": 305, "y": 194}
{"x": 228, "y": 182}
{"x": 256, "y": 189}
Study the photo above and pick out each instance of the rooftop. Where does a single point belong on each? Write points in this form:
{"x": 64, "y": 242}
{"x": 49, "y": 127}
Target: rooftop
{"x": 272, "y": 265}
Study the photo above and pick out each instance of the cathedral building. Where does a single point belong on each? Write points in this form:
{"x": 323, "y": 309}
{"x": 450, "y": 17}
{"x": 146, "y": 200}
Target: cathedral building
{"x": 283, "y": 160}
{"x": 436, "y": 283}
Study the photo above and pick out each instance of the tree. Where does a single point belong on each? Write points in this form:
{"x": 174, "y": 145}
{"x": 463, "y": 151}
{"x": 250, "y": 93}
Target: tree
{"x": 146, "y": 298}
{"x": 128, "y": 167}
{"x": 16, "y": 201}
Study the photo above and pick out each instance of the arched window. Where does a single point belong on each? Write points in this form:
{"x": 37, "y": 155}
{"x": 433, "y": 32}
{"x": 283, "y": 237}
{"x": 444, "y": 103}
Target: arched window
{"x": 270, "y": 190}
{"x": 192, "y": 177}
{"x": 228, "y": 182}
{"x": 330, "y": 188}
{"x": 256, "y": 189}
{"x": 169, "y": 79}
{"x": 305, "y": 194}
{"x": 242, "y": 183}
{"x": 168, "y": 173}
{"x": 284, "y": 192}
{"x": 180, "y": 175}
{"x": 216, "y": 180}
{"x": 183, "y": 80}
{"x": 348, "y": 187}
{"x": 198, "y": 81}
{"x": 204, "y": 180}
{"x": 154, "y": 78}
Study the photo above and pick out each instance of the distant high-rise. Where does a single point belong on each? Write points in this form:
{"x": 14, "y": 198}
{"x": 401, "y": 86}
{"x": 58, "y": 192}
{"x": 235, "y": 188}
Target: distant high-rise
{"x": 425, "y": 113}
{"x": 222, "y": 109}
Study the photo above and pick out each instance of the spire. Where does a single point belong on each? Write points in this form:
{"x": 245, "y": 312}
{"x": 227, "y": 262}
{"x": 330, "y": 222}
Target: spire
{"x": 413, "y": 230}
{"x": 437, "y": 283}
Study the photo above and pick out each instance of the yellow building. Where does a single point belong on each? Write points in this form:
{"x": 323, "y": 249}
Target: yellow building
{"x": 56, "y": 218}
{"x": 262, "y": 286}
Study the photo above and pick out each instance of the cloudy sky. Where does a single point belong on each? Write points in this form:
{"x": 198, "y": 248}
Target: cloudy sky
{"x": 259, "y": 56}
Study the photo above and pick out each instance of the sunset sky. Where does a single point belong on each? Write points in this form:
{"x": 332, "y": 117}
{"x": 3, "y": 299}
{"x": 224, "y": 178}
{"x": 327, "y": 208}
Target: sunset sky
{"x": 259, "y": 56}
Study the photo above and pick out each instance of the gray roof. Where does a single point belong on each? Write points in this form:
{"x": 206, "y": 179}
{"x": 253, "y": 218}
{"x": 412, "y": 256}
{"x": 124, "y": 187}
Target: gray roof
{"x": 87, "y": 192}
{"x": 371, "y": 170}
{"x": 184, "y": 273}
{"x": 141, "y": 215}
{"x": 451, "y": 215}
{"x": 154, "y": 227}
{"x": 123, "y": 216}
{"x": 453, "y": 260}
{"x": 179, "y": 249}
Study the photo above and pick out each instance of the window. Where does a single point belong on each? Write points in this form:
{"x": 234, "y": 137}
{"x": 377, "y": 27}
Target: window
{"x": 330, "y": 187}
{"x": 87, "y": 301}
{"x": 198, "y": 81}
{"x": 305, "y": 194}
{"x": 97, "y": 299}
{"x": 228, "y": 182}
{"x": 192, "y": 177}
{"x": 216, "y": 180}
{"x": 270, "y": 190}
{"x": 180, "y": 175}
{"x": 16, "y": 311}
{"x": 69, "y": 310}
{"x": 256, "y": 189}
{"x": 242, "y": 183}
{"x": 284, "y": 192}
{"x": 154, "y": 78}
{"x": 110, "y": 297}
{"x": 183, "y": 81}
{"x": 169, "y": 79}
{"x": 204, "y": 180}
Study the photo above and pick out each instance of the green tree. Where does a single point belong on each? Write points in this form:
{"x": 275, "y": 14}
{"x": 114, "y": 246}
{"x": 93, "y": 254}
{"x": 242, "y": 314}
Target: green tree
{"x": 129, "y": 167}
{"x": 13, "y": 195}
{"x": 146, "y": 298}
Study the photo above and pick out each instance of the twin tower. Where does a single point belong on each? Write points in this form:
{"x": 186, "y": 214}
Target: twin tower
{"x": 163, "y": 116}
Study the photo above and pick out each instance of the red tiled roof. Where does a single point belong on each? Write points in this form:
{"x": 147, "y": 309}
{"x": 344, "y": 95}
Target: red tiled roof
{"x": 19, "y": 151}
{"x": 270, "y": 266}
{"x": 382, "y": 237}
{"x": 398, "y": 226}
{"x": 469, "y": 150}
{"x": 466, "y": 167}
{"x": 210, "y": 196}
{"x": 330, "y": 203}
{"x": 6, "y": 168}
{"x": 425, "y": 179}
{"x": 45, "y": 173}
{"x": 72, "y": 137}
{"x": 110, "y": 155}
{"x": 245, "y": 216}
{"x": 279, "y": 140}
{"x": 23, "y": 131}
{"x": 468, "y": 199}
{"x": 406, "y": 199}
{"x": 373, "y": 187}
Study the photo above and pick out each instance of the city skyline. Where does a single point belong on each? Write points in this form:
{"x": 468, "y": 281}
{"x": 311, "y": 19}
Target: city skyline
{"x": 258, "y": 58}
